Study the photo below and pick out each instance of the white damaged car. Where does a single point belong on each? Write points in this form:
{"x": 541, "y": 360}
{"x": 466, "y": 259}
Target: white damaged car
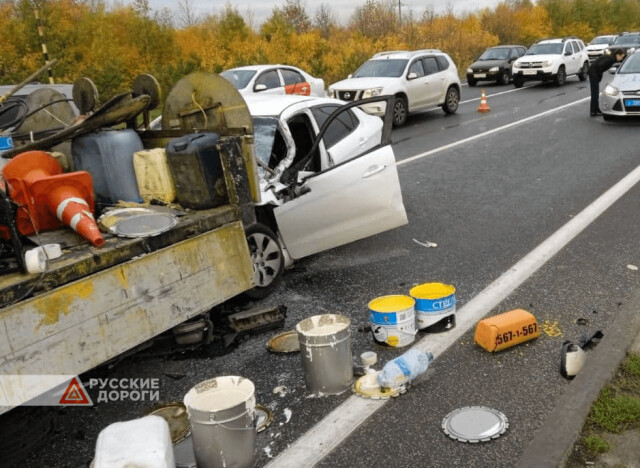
{"x": 328, "y": 177}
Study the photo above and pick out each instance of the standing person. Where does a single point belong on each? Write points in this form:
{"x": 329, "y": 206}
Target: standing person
{"x": 596, "y": 70}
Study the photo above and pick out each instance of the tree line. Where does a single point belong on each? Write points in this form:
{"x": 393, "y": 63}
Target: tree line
{"x": 114, "y": 44}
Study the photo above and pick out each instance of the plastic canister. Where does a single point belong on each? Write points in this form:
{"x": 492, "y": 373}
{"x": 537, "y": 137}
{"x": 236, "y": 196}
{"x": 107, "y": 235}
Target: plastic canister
{"x": 108, "y": 156}
{"x": 393, "y": 321}
{"x": 155, "y": 181}
{"x": 194, "y": 162}
{"x": 325, "y": 348}
{"x": 222, "y": 416}
{"x": 435, "y": 306}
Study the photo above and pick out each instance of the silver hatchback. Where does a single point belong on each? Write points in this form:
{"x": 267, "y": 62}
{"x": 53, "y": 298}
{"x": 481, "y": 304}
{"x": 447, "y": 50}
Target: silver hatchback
{"x": 621, "y": 97}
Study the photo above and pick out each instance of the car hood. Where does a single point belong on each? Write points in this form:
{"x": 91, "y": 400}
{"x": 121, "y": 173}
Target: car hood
{"x": 538, "y": 58}
{"x": 627, "y": 81}
{"x": 597, "y": 47}
{"x": 363, "y": 83}
{"x": 486, "y": 64}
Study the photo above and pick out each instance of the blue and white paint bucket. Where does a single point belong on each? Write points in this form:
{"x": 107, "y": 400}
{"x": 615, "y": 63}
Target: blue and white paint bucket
{"x": 435, "y": 306}
{"x": 393, "y": 321}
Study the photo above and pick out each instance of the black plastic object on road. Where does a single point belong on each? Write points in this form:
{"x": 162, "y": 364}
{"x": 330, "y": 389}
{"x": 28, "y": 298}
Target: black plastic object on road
{"x": 195, "y": 165}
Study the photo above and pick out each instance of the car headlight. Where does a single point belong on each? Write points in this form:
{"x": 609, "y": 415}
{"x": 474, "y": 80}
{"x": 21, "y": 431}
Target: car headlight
{"x": 607, "y": 51}
{"x": 547, "y": 63}
{"x": 494, "y": 70}
{"x": 469, "y": 70}
{"x": 331, "y": 93}
{"x": 373, "y": 92}
{"x": 611, "y": 90}
{"x": 516, "y": 65}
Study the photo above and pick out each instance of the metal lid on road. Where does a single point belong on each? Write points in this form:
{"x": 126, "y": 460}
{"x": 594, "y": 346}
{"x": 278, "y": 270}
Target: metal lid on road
{"x": 475, "y": 424}
{"x": 286, "y": 342}
{"x": 264, "y": 417}
{"x": 175, "y": 413}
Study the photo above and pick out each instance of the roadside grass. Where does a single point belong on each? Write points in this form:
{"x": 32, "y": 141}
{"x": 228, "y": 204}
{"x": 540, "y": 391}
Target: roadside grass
{"x": 616, "y": 410}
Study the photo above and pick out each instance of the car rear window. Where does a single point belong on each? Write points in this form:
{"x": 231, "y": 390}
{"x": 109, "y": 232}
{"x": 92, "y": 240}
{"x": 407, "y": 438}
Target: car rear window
{"x": 443, "y": 63}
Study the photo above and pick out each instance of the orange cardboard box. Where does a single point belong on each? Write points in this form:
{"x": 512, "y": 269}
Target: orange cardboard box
{"x": 506, "y": 330}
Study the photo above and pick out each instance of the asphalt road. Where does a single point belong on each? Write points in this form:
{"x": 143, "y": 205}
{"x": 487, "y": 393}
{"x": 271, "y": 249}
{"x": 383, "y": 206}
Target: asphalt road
{"x": 488, "y": 189}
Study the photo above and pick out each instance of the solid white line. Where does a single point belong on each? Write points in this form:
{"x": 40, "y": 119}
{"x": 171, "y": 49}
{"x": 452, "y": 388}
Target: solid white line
{"x": 327, "y": 434}
{"x": 487, "y": 133}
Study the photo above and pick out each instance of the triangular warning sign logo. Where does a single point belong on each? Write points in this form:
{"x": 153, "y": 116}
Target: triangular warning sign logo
{"x": 75, "y": 394}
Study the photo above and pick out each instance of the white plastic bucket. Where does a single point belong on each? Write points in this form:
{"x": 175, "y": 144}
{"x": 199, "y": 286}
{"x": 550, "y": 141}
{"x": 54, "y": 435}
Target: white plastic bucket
{"x": 435, "y": 306}
{"x": 222, "y": 414}
{"x": 392, "y": 320}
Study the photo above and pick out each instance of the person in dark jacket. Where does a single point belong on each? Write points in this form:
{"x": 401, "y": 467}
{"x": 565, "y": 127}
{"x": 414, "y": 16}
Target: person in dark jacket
{"x": 596, "y": 70}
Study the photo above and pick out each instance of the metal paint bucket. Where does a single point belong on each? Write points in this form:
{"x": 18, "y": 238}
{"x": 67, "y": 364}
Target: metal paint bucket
{"x": 325, "y": 347}
{"x": 435, "y": 306}
{"x": 393, "y": 321}
{"x": 221, "y": 411}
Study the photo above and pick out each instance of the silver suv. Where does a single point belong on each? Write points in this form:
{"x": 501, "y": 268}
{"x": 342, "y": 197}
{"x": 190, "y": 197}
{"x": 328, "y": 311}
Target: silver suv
{"x": 419, "y": 80}
{"x": 552, "y": 59}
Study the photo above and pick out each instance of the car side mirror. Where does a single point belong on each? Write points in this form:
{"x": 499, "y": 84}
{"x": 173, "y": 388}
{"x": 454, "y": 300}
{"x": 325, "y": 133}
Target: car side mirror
{"x": 613, "y": 70}
{"x": 260, "y": 87}
{"x": 412, "y": 76}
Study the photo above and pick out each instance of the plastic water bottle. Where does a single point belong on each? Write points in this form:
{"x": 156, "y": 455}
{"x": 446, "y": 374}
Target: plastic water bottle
{"x": 405, "y": 368}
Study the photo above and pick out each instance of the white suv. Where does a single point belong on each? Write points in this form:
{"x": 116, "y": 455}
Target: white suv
{"x": 419, "y": 80}
{"x": 552, "y": 59}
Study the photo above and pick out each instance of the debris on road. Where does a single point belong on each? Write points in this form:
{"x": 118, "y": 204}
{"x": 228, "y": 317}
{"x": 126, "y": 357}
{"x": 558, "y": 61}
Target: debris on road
{"x": 632, "y": 267}
{"x": 435, "y": 307}
{"x": 506, "y": 330}
{"x": 551, "y": 329}
{"x": 393, "y": 321}
{"x": 404, "y": 369}
{"x": 264, "y": 418}
{"x": 573, "y": 356}
{"x": 255, "y": 320}
{"x": 286, "y": 342}
{"x": 473, "y": 424}
{"x": 426, "y": 244}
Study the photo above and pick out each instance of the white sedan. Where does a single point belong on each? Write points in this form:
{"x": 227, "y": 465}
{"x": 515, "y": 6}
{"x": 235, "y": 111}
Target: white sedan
{"x": 328, "y": 177}
{"x": 274, "y": 79}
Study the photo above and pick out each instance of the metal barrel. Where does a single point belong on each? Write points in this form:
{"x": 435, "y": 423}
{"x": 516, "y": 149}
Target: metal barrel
{"x": 325, "y": 347}
{"x": 222, "y": 414}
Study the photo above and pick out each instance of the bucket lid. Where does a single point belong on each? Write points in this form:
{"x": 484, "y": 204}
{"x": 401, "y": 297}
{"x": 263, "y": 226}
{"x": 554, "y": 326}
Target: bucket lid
{"x": 475, "y": 424}
{"x": 323, "y": 325}
{"x": 264, "y": 417}
{"x": 432, "y": 290}
{"x": 175, "y": 413}
{"x": 220, "y": 394}
{"x": 286, "y": 342}
{"x": 367, "y": 387}
{"x": 393, "y": 303}
{"x": 137, "y": 222}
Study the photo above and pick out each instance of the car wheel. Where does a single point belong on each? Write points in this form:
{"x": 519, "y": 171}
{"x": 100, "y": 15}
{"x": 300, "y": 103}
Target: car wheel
{"x": 518, "y": 82}
{"x": 584, "y": 71}
{"x": 400, "y": 111}
{"x": 561, "y": 77}
{"x": 451, "y": 101}
{"x": 267, "y": 259}
{"x": 505, "y": 78}
{"x": 472, "y": 83}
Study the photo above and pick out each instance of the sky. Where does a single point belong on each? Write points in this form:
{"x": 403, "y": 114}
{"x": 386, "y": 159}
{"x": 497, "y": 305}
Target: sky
{"x": 342, "y": 9}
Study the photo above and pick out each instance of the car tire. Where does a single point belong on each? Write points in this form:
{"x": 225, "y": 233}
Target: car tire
{"x": 584, "y": 71}
{"x": 472, "y": 83}
{"x": 504, "y": 78}
{"x": 400, "y": 111}
{"x": 518, "y": 82}
{"x": 560, "y": 77}
{"x": 451, "y": 100}
{"x": 267, "y": 260}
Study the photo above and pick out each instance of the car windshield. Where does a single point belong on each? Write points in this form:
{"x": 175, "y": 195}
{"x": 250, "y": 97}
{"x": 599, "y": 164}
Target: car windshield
{"x": 381, "y": 68}
{"x": 495, "y": 54}
{"x": 631, "y": 65}
{"x": 264, "y": 132}
{"x": 546, "y": 49}
{"x": 627, "y": 39}
{"x": 238, "y": 78}
{"x": 601, "y": 40}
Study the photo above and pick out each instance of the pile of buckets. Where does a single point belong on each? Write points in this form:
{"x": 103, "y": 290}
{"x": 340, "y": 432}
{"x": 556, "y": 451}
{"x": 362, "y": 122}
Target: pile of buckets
{"x": 429, "y": 308}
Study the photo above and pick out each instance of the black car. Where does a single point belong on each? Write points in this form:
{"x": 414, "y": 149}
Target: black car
{"x": 629, "y": 42}
{"x": 494, "y": 64}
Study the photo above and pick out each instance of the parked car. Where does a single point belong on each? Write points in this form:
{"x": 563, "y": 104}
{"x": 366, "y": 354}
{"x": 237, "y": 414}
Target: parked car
{"x": 552, "y": 59}
{"x": 598, "y": 45}
{"x": 274, "y": 79}
{"x": 327, "y": 177}
{"x": 419, "y": 80}
{"x": 621, "y": 97}
{"x": 495, "y": 64}
{"x": 628, "y": 42}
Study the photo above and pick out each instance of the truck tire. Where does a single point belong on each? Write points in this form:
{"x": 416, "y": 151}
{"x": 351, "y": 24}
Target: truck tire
{"x": 267, "y": 259}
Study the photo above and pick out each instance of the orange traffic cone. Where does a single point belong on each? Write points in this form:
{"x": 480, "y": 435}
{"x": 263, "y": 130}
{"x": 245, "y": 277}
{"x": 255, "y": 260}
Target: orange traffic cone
{"x": 484, "y": 107}
{"x": 47, "y": 196}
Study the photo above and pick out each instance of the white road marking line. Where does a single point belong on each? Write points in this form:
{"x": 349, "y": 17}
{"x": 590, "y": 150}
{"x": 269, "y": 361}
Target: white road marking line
{"x": 328, "y": 433}
{"x": 487, "y": 133}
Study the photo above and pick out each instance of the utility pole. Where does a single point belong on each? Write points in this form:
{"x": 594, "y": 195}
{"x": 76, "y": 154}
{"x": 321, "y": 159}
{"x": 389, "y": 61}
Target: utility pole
{"x": 43, "y": 43}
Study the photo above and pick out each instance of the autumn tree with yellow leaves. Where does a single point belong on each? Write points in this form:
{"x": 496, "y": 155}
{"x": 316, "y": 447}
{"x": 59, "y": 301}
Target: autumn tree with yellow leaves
{"x": 112, "y": 45}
